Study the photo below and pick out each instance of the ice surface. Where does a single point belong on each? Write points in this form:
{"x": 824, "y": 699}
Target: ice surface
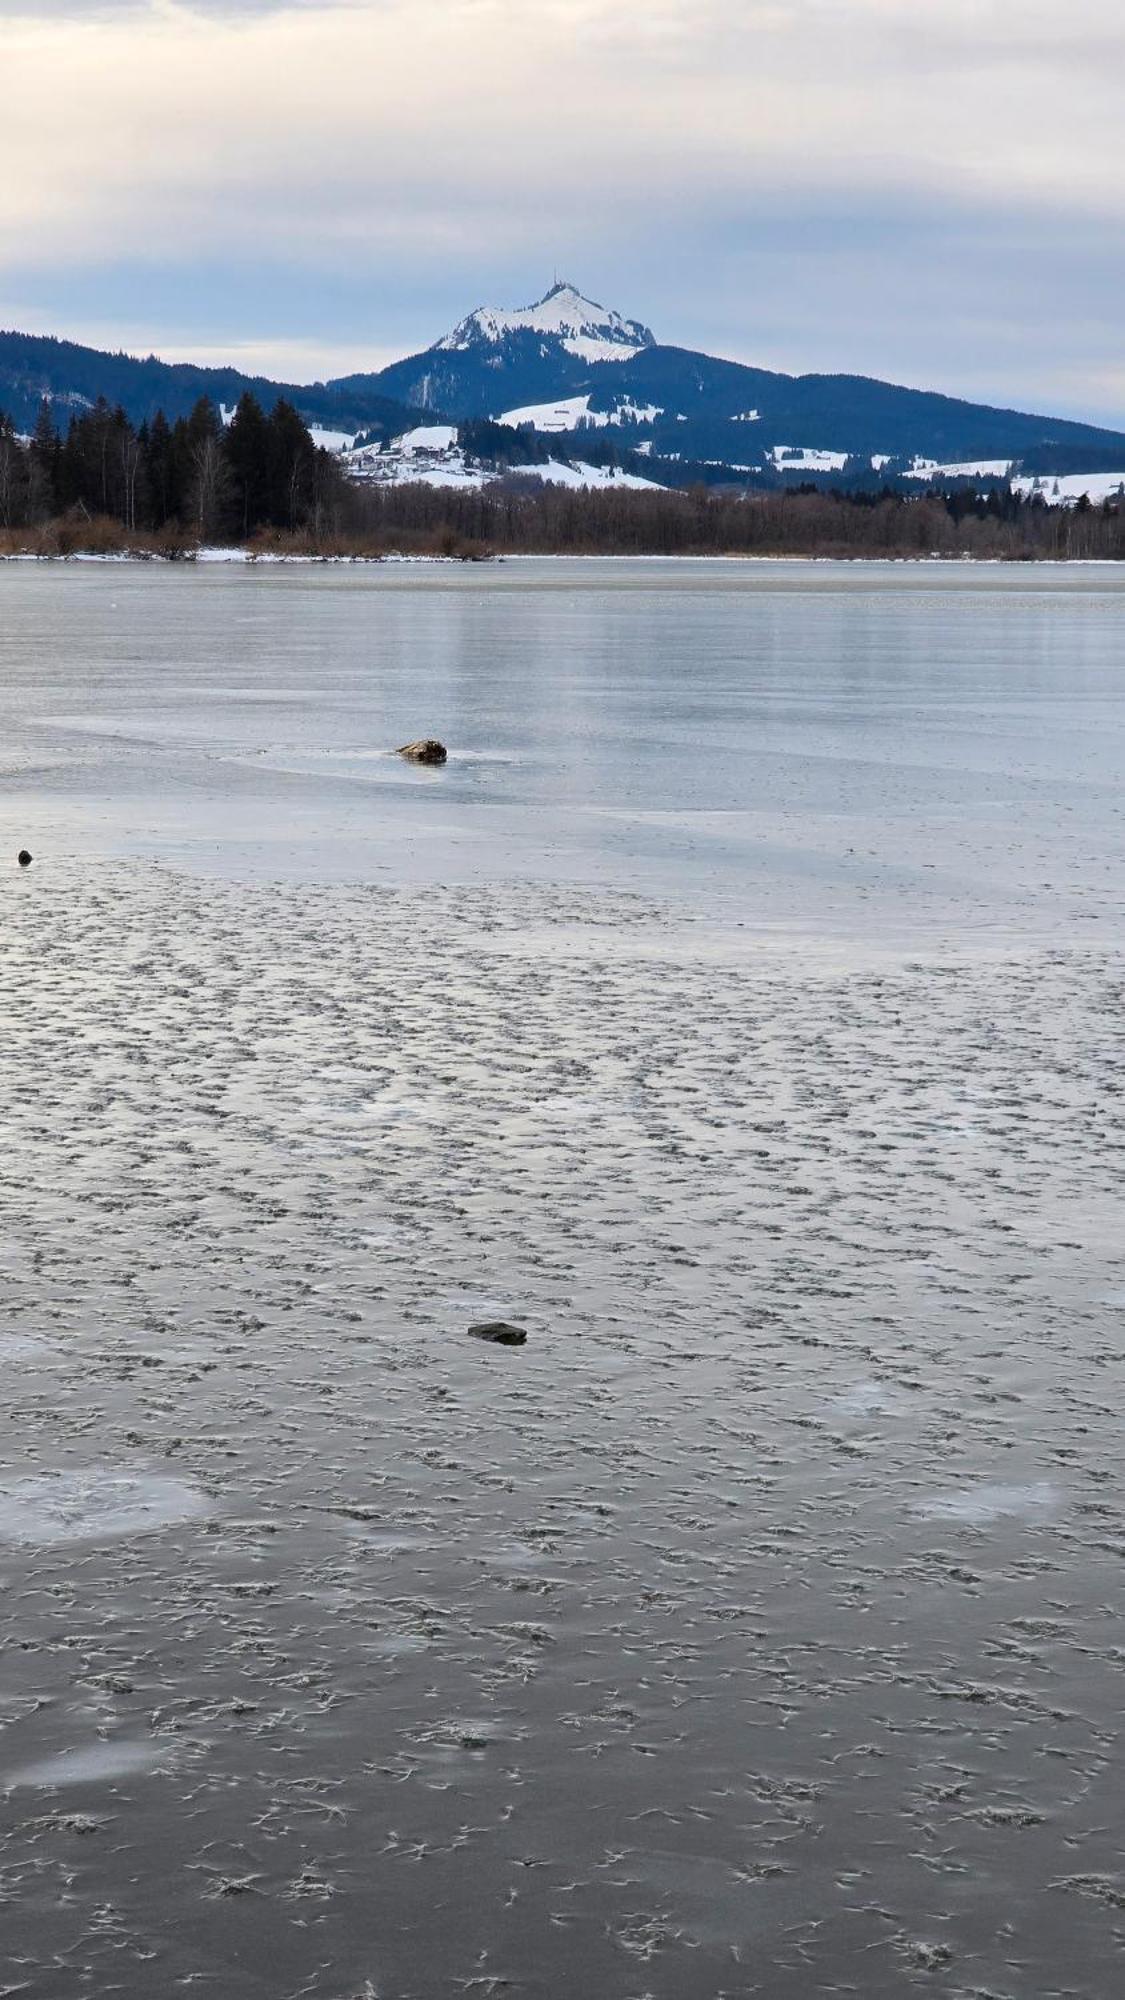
{"x": 755, "y": 1030}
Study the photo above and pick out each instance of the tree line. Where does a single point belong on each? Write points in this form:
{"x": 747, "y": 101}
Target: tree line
{"x": 260, "y": 480}
{"x": 525, "y": 515}
{"x": 197, "y": 478}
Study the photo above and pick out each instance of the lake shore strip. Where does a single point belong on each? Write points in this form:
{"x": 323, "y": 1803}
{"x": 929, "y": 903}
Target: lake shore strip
{"x": 541, "y": 520}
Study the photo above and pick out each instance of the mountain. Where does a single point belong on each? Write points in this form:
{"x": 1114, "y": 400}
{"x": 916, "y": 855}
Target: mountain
{"x": 34, "y": 366}
{"x": 567, "y": 366}
{"x": 494, "y": 358}
{"x": 585, "y": 331}
{"x": 608, "y": 395}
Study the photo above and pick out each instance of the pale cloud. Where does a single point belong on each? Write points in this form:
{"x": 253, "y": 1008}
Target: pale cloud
{"x": 492, "y": 136}
{"x": 350, "y": 126}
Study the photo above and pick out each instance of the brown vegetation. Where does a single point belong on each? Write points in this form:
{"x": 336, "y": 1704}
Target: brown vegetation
{"x": 95, "y": 535}
{"x": 526, "y": 517}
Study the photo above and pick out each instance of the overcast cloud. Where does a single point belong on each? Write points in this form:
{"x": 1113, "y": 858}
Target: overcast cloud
{"x": 931, "y": 193}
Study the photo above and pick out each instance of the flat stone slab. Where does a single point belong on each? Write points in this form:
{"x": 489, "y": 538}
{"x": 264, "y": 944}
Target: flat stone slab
{"x": 500, "y": 1332}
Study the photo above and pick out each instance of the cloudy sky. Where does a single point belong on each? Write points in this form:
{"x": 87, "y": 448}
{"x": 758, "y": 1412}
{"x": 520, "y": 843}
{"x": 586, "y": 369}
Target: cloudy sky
{"x": 926, "y": 190}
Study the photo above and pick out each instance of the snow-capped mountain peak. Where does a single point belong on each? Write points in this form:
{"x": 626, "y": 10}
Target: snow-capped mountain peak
{"x": 589, "y": 331}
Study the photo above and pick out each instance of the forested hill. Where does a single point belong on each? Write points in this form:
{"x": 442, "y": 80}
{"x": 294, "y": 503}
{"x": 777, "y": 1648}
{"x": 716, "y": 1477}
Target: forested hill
{"x": 680, "y": 405}
{"x": 34, "y": 367}
{"x": 567, "y": 364}
{"x": 589, "y": 378}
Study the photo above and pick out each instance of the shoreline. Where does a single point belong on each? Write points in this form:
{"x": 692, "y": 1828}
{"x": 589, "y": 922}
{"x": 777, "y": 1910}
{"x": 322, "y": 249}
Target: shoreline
{"x": 272, "y": 559}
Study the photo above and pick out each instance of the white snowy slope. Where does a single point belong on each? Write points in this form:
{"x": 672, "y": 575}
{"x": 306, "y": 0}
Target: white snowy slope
{"x": 573, "y": 411}
{"x": 973, "y": 468}
{"x": 428, "y": 438}
{"x": 582, "y": 327}
{"x": 565, "y": 415}
{"x": 1058, "y": 490}
{"x": 557, "y": 473}
{"x": 806, "y": 458}
{"x": 331, "y": 440}
{"x": 1066, "y": 490}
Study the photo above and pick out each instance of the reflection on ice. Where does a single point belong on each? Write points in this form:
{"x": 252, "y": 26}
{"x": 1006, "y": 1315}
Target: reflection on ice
{"x": 978, "y": 1505}
{"x": 96, "y": 1505}
{"x": 97, "y": 1763}
{"x": 866, "y": 1399}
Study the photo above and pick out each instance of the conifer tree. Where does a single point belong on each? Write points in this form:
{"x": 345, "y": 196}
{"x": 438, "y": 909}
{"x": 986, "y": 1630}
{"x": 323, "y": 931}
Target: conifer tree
{"x": 247, "y": 455}
{"x": 291, "y": 454}
{"x": 161, "y": 475}
{"x": 45, "y": 456}
{"x": 13, "y": 474}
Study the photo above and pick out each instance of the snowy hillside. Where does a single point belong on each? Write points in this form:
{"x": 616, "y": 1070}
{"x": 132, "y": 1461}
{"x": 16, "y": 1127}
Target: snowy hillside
{"x": 574, "y": 413}
{"x": 431, "y": 455}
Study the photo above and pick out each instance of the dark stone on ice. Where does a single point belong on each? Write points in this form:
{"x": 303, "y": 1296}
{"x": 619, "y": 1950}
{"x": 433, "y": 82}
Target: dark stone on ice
{"x": 427, "y": 750}
{"x": 499, "y": 1332}
{"x": 24, "y": 858}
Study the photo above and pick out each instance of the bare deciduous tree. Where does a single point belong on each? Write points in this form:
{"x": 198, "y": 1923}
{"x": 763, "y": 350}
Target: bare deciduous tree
{"x": 210, "y": 486}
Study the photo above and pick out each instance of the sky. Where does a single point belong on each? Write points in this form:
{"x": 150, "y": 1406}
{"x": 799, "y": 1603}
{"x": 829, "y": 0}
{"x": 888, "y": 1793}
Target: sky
{"x": 930, "y": 191}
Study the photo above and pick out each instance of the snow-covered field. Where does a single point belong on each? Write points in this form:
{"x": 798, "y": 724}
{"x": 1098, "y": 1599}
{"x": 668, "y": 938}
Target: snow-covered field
{"x": 806, "y": 458}
{"x": 431, "y": 456}
{"x": 556, "y": 473}
{"x": 1058, "y": 490}
{"x": 1067, "y": 489}
{"x": 565, "y": 415}
{"x": 975, "y": 468}
{"x": 331, "y": 440}
{"x": 574, "y": 411}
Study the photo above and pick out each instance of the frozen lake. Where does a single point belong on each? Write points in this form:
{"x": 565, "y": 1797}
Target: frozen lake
{"x": 739, "y": 1011}
{"x": 826, "y": 747}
